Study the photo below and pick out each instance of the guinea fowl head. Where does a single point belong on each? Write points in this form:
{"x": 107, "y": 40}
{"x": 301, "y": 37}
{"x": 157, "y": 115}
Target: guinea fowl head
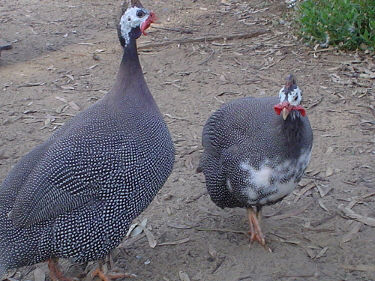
{"x": 290, "y": 98}
{"x": 134, "y": 21}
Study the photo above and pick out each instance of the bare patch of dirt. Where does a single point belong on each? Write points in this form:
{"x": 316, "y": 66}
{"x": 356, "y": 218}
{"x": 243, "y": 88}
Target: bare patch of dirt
{"x": 65, "y": 57}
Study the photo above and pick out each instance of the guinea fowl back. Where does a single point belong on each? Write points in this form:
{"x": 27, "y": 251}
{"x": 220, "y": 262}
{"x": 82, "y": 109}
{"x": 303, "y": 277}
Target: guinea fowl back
{"x": 250, "y": 120}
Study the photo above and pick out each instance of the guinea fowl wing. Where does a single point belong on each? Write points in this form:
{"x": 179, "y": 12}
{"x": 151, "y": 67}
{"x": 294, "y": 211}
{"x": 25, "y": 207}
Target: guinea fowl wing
{"x": 80, "y": 172}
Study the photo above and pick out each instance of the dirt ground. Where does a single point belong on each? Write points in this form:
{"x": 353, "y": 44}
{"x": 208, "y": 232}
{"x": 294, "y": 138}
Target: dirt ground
{"x": 65, "y": 57}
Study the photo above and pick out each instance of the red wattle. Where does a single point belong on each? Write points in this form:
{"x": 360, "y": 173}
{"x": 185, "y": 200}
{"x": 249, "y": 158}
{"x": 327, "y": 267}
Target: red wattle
{"x": 279, "y": 107}
{"x": 301, "y": 110}
{"x": 146, "y": 24}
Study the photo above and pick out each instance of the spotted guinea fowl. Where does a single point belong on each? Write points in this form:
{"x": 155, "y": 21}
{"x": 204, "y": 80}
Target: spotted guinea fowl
{"x": 75, "y": 195}
{"x": 253, "y": 156}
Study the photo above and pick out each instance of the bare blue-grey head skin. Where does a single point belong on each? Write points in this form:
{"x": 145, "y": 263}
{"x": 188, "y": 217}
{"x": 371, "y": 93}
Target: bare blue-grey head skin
{"x": 256, "y": 149}
{"x": 75, "y": 195}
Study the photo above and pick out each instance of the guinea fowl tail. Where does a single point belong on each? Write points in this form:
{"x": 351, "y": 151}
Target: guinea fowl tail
{"x": 2, "y": 271}
{"x": 3, "y": 265}
{"x": 19, "y": 246}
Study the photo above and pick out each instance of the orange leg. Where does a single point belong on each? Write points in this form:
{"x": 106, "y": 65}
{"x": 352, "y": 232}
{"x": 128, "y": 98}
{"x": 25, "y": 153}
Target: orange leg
{"x": 107, "y": 277}
{"x": 54, "y": 271}
{"x": 255, "y": 230}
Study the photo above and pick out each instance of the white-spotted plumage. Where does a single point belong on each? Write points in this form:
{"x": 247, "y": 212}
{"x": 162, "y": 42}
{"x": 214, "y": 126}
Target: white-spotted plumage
{"x": 252, "y": 156}
{"x": 75, "y": 195}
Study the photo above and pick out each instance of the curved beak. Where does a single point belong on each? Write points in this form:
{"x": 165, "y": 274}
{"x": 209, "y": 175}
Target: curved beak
{"x": 285, "y": 113}
{"x": 146, "y": 24}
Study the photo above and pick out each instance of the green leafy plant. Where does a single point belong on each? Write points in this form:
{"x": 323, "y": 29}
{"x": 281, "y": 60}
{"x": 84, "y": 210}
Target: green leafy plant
{"x": 349, "y": 24}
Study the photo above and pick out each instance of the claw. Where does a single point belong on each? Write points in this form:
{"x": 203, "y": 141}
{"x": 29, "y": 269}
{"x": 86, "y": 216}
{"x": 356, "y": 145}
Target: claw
{"x": 108, "y": 277}
{"x": 54, "y": 271}
{"x": 255, "y": 230}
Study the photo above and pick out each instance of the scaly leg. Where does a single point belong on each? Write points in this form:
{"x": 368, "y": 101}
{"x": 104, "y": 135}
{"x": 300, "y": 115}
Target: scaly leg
{"x": 107, "y": 277}
{"x": 54, "y": 271}
{"x": 255, "y": 230}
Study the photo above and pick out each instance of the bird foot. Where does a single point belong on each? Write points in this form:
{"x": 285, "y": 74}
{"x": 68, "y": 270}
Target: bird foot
{"x": 108, "y": 277}
{"x": 255, "y": 231}
{"x": 55, "y": 273}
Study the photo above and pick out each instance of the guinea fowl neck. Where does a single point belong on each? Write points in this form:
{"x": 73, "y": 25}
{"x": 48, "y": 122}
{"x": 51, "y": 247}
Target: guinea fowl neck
{"x": 293, "y": 129}
{"x": 130, "y": 84}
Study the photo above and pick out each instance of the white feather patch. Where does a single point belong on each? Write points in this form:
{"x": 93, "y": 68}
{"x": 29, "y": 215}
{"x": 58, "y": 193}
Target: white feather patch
{"x": 260, "y": 179}
{"x": 130, "y": 20}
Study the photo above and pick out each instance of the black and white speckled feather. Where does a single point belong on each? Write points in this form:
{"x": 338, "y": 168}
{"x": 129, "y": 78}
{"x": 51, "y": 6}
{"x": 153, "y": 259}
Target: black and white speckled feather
{"x": 252, "y": 157}
{"x": 75, "y": 195}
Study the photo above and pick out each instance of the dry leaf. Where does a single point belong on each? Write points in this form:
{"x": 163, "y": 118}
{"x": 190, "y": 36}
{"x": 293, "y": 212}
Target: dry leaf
{"x": 212, "y": 251}
{"x": 222, "y": 78}
{"x": 321, "y": 253}
{"x": 329, "y": 172}
{"x": 66, "y": 87}
{"x": 352, "y": 215}
{"x": 310, "y": 253}
{"x": 360, "y": 267}
{"x": 136, "y": 228}
{"x": 320, "y": 202}
{"x": 39, "y": 275}
{"x": 323, "y": 189}
{"x": 150, "y": 237}
{"x": 183, "y": 276}
{"x": 329, "y": 150}
{"x": 73, "y": 105}
{"x": 182, "y": 241}
{"x": 69, "y": 76}
{"x": 61, "y": 99}
{"x": 304, "y": 190}
{"x": 61, "y": 108}
{"x": 355, "y": 229}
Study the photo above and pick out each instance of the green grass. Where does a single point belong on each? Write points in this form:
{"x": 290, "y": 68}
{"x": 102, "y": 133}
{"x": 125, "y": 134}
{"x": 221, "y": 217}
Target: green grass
{"x": 343, "y": 23}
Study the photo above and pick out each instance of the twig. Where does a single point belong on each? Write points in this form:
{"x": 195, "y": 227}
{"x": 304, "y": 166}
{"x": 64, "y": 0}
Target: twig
{"x": 221, "y": 230}
{"x": 315, "y": 178}
{"x": 360, "y": 267}
{"x": 32, "y": 84}
{"x": 322, "y": 221}
{"x": 180, "y": 30}
{"x": 354, "y": 216}
{"x": 358, "y": 199}
{"x": 322, "y": 50}
{"x": 196, "y": 197}
{"x": 178, "y": 242}
{"x": 293, "y": 213}
{"x": 349, "y": 236}
{"x": 175, "y": 117}
{"x": 219, "y": 263}
{"x": 316, "y": 103}
{"x": 245, "y": 277}
{"x": 297, "y": 276}
{"x": 205, "y": 39}
{"x": 304, "y": 190}
{"x": 208, "y": 58}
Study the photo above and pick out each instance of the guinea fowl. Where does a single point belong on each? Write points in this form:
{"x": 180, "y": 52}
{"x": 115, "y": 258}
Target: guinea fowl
{"x": 253, "y": 156}
{"x": 75, "y": 195}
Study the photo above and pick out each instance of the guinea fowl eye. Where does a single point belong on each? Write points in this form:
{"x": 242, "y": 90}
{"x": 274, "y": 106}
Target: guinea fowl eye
{"x": 140, "y": 14}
